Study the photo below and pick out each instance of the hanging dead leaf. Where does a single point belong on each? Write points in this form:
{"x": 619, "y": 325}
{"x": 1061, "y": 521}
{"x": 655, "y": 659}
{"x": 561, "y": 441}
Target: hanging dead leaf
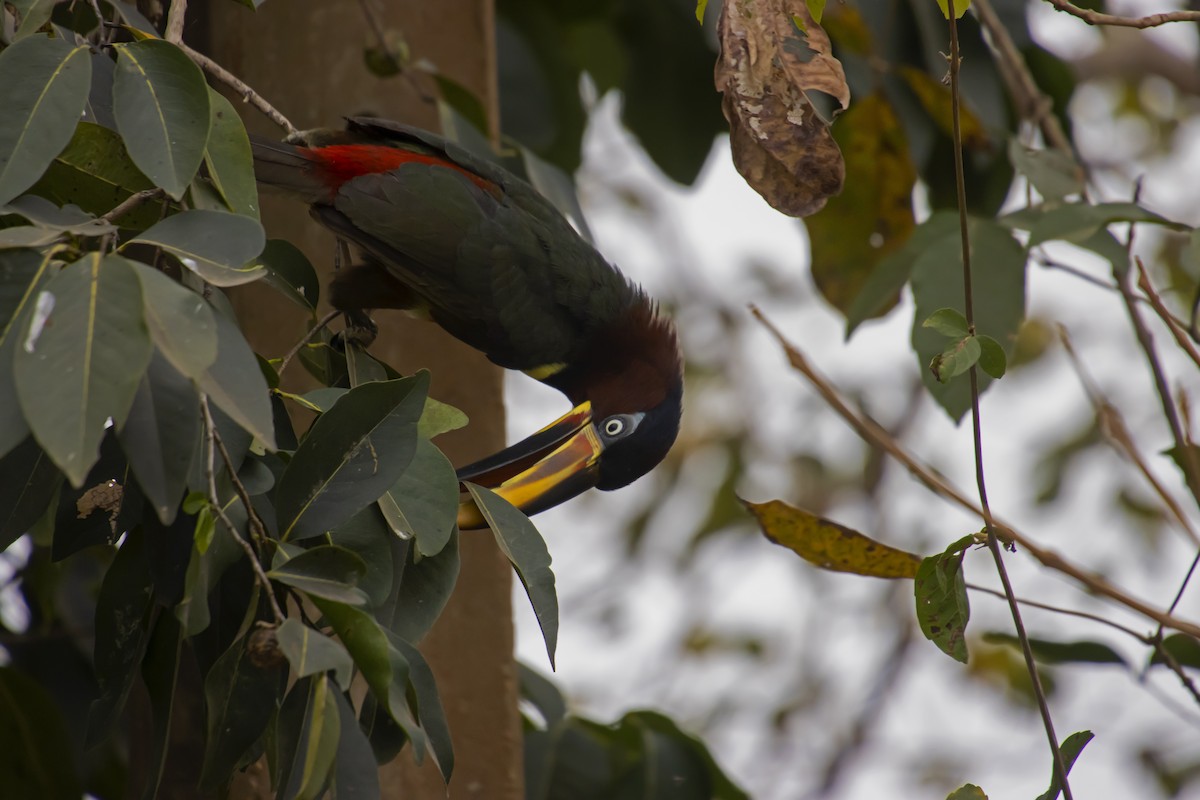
{"x": 774, "y": 61}
{"x": 829, "y": 545}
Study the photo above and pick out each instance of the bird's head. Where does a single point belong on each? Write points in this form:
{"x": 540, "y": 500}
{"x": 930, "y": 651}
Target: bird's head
{"x": 627, "y": 386}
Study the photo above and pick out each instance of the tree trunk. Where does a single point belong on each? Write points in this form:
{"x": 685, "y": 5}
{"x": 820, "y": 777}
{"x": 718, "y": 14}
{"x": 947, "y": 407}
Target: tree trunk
{"x": 306, "y": 58}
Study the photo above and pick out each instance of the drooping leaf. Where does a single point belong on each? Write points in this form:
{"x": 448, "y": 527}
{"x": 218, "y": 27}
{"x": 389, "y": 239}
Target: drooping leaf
{"x": 180, "y": 322}
{"x": 1052, "y": 172}
{"x": 539, "y": 690}
{"x": 241, "y": 697}
{"x": 289, "y": 271}
{"x": 956, "y": 359}
{"x": 230, "y": 164}
{"x": 526, "y": 549}
{"x": 367, "y": 535}
{"x": 160, "y": 435}
{"x": 423, "y": 504}
{"x": 35, "y": 754}
{"x": 351, "y": 455}
{"x": 236, "y": 384}
{"x": 872, "y": 217}
{"x": 217, "y": 246}
{"x": 327, "y": 571}
{"x": 421, "y": 589}
{"x": 84, "y": 365}
{"x": 1071, "y": 747}
{"x": 942, "y": 604}
{"x": 1077, "y": 222}
{"x": 160, "y": 101}
{"x": 768, "y": 72}
{"x": 429, "y": 706}
{"x": 829, "y": 545}
{"x": 23, "y": 273}
{"x": 356, "y": 775}
{"x": 311, "y": 652}
{"x": 1051, "y": 652}
{"x": 43, "y": 87}
{"x": 30, "y": 481}
{"x": 123, "y": 628}
{"x": 160, "y": 672}
{"x": 316, "y": 745}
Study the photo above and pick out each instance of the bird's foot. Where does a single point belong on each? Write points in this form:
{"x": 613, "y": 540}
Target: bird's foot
{"x": 360, "y": 331}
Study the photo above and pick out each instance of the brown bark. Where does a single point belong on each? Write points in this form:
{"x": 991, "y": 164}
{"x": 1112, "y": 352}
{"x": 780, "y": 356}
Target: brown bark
{"x": 306, "y": 58}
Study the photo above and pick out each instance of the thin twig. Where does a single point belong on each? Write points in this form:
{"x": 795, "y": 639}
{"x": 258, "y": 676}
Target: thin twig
{"x": 1150, "y": 21}
{"x": 257, "y": 529}
{"x": 325, "y": 320}
{"x": 1069, "y": 612}
{"x": 874, "y": 434}
{"x": 1174, "y": 325}
{"x": 234, "y": 82}
{"x": 175, "y": 19}
{"x": 130, "y": 203}
{"x": 214, "y": 499}
{"x": 1112, "y": 425}
{"x": 993, "y": 541}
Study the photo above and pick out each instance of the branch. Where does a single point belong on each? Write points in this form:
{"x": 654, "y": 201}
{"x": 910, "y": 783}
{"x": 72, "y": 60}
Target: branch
{"x": 175, "y": 19}
{"x": 872, "y": 433}
{"x": 238, "y": 85}
{"x": 1151, "y": 21}
{"x": 130, "y": 203}
{"x": 1173, "y": 324}
{"x": 325, "y": 320}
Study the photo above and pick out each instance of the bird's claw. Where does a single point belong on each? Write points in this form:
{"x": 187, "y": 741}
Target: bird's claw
{"x": 360, "y": 331}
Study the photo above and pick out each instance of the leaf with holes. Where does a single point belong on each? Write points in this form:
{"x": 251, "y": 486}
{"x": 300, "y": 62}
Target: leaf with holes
{"x": 941, "y": 595}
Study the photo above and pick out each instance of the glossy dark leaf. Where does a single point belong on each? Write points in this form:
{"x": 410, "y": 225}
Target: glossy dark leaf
{"x": 123, "y": 624}
{"x": 160, "y": 435}
{"x": 356, "y": 776}
{"x": 105, "y": 505}
{"x": 316, "y": 745}
{"x": 367, "y": 535}
{"x": 942, "y": 605}
{"x": 80, "y": 364}
{"x": 422, "y": 588}
{"x": 429, "y": 706}
{"x": 160, "y": 101}
{"x": 217, "y": 246}
{"x": 169, "y": 551}
{"x": 230, "y": 164}
{"x": 29, "y": 236}
{"x": 30, "y": 481}
{"x": 22, "y": 275}
{"x": 423, "y": 504}
{"x": 240, "y": 697}
{"x": 43, "y": 87}
{"x": 1071, "y": 747}
{"x": 290, "y": 272}
{"x": 351, "y": 455}
{"x": 236, "y": 384}
{"x": 311, "y": 652}
{"x": 542, "y": 693}
{"x": 160, "y": 672}
{"x": 1183, "y": 648}
{"x": 526, "y": 549}
{"x": 327, "y": 571}
{"x": 35, "y": 749}
{"x": 181, "y": 324}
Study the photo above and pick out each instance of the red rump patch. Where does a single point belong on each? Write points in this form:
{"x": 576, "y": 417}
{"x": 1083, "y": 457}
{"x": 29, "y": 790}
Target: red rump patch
{"x": 343, "y": 162}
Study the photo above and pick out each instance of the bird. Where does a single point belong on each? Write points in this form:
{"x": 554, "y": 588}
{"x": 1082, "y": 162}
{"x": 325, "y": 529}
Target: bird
{"x": 455, "y": 238}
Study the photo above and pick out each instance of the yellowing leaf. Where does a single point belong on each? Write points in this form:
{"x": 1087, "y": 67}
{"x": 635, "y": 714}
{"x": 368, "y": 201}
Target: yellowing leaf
{"x": 829, "y": 545}
{"x": 935, "y": 99}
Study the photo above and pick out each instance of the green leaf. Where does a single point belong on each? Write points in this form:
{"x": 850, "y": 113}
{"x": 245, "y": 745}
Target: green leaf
{"x": 215, "y": 245}
{"x": 541, "y": 692}
{"x": 351, "y": 455}
{"x": 816, "y": 9}
{"x": 423, "y": 503}
{"x": 992, "y": 358}
{"x": 1071, "y": 747}
{"x": 123, "y": 622}
{"x": 313, "y": 759}
{"x": 311, "y": 652}
{"x": 872, "y": 217}
{"x": 1050, "y": 652}
{"x": 22, "y": 276}
{"x": 947, "y": 322}
{"x": 236, "y": 384}
{"x": 68, "y": 219}
{"x": 967, "y": 791}
{"x": 230, "y": 164}
{"x": 180, "y": 322}
{"x": 81, "y": 362}
{"x": 998, "y": 278}
{"x": 26, "y": 236}
{"x": 289, "y": 272}
{"x": 160, "y": 672}
{"x": 526, "y": 549}
{"x": 240, "y": 697}
{"x": 30, "y": 483}
{"x": 356, "y": 775}
{"x": 95, "y": 173}
{"x": 1183, "y": 648}
{"x": 43, "y": 88}
{"x": 955, "y": 359}
{"x": 438, "y": 418}
{"x": 35, "y": 750}
{"x": 327, "y": 571}
{"x": 701, "y": 5}
{"x": 429, "y": 706}
{"x": 942, "y": 605}
{"x": 35, "y": 16}
{"x": 422, "y": 588}
{"x": 1053, "y": 173}
{"x": 161, "y": 435}
{"x": 1077, "y": 222}
{"x": 367, "y": 535}
{"x": 160, "y": 101}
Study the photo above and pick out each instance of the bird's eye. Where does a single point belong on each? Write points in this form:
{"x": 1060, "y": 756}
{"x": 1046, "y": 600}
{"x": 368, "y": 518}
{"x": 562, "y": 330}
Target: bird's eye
{"x": 620, "y": 425}
{"x": 614, "y": 426}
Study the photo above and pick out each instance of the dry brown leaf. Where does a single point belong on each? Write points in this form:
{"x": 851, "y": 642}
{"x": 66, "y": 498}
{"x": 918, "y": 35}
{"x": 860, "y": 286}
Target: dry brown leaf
{"x": 829, "y": 545}
{"x": 773, "y": 55}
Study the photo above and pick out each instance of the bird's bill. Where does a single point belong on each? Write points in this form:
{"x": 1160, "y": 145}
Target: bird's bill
{"x": 539, "y": 472}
